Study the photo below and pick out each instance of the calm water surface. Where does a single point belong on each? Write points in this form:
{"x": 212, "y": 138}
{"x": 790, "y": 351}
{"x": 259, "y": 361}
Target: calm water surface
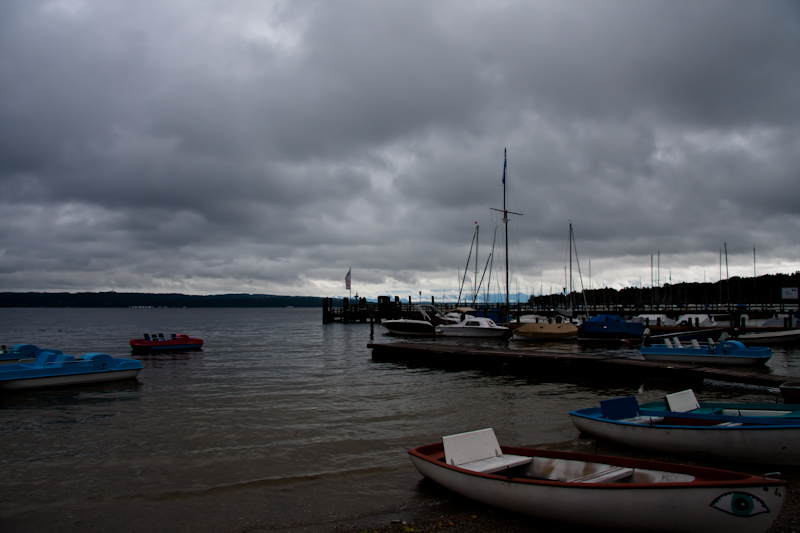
{"x": 274, "y": 401}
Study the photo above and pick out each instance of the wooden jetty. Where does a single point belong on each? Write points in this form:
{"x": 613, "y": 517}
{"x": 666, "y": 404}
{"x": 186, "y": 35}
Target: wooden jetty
{"x": 538, "y": 362}
{"x": 387, "y": 308}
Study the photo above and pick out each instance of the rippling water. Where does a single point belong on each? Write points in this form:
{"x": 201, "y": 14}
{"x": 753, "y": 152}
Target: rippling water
{"x": 275, "y": 404}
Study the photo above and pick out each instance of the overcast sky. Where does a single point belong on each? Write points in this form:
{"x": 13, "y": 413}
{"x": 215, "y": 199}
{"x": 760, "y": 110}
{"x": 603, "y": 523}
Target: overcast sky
{"x": 208, "y": 147}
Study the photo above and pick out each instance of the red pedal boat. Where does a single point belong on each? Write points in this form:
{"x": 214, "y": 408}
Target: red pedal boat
{"x": 157, "y": 342}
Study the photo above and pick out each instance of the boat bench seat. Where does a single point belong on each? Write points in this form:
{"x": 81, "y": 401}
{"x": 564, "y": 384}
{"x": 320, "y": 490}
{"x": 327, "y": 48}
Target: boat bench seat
{"x": 496, "y": 464}
{"x": 479, "y": 451}
{"x": 642, "y": 419}
{"x": 729, "y": 424}
{"x": 615, "y": 473}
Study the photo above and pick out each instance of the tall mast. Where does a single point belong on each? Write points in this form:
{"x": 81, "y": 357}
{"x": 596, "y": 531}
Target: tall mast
{"x": 475, "y": 292}
{"x": 505, "y": 221}
{"x": 570, "y": 265}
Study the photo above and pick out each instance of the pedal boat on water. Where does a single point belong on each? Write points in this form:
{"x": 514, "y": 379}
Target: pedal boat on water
{"x": 157, "y": 342}
{"x": 750, "y": 435}
{"x": 728, "y": 352}
{"x": 600, "y": 491}
{"x": 19, "y": 353}
{"x": 53, "y": 368}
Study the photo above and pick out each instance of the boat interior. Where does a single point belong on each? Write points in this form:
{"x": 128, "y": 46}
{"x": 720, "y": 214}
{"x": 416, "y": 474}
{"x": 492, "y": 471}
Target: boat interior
{"x": 480, "y": 452}
{"x": 688, "y": 412}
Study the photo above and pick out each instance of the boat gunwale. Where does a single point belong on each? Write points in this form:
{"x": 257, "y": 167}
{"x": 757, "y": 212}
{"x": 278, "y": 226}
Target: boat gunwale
{"x": 755, "y": 422}
{"x": 711, "y": 477}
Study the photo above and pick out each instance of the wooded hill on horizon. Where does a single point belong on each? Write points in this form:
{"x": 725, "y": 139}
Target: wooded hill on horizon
{"x": 133, "y": 299}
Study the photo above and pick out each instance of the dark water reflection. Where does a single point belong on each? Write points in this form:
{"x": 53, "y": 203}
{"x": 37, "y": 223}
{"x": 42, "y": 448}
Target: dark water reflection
{"x": 274, "y": 397}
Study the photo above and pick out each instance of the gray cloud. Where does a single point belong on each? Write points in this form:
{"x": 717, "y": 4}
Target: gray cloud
{"x": 248, "y": 146}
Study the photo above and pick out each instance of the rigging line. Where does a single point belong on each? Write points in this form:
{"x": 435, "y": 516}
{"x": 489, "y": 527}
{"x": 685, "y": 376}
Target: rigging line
{"x": 491, "y": 256}
{"x": 580, "y": 275}
{"x": 465, "y": 269}
{"x": 491, "y": 267}
{"x": 475, "y": 299}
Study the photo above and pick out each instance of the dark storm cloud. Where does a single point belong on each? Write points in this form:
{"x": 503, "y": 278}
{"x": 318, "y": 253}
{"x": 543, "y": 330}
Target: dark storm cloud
{"x": 269, "y": 146}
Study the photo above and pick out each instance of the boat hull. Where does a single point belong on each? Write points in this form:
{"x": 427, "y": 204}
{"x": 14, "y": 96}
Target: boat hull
{"x": 685, "y": 334}
{"x": 70, "y": 379}
{"x": 770, "y": 338}
{"x": 166, "y": 347}
{"x": 632, "y": 506}
{"x": 175, "y": 343}
{"x": 610, "y": 327}
{"x": 763, "y": 445}
{"x": 452, "y": 331}
{"x": 545, "y": 332}
{"x": 410, "y": 328}
{"x": 705, "y": 358}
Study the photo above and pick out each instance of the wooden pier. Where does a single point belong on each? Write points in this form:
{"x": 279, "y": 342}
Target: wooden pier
{"x": 544, "y": 363}
{"x": 386, "y": 308}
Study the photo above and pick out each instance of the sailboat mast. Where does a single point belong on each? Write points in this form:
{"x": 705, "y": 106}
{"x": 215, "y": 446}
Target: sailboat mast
{"x": 475, "y": 292}
{"x": 505, "y": 221}
{"x": 570, "y": 266}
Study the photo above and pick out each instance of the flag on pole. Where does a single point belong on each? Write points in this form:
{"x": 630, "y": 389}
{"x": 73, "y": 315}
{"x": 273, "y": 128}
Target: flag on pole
{"x": 504, "y": 167}
{"x": 347, "y": 279}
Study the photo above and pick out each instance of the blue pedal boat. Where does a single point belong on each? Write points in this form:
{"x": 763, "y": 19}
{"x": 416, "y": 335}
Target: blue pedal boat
{"x": 53, "y": 368}
{"x": 729, "y": 352}
{"x": 756, "y": 435}
{"x": 19, "y": 353}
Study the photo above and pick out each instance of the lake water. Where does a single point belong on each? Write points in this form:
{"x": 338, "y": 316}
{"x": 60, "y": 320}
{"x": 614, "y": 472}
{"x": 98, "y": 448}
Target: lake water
{"x": 279, "y": 423}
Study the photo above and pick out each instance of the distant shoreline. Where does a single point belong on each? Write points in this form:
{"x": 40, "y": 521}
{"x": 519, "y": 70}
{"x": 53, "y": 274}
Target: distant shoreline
{"x": 132, "y": 299}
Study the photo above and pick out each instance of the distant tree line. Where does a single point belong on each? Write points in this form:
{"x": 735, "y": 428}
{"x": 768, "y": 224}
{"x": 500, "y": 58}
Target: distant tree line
{"x": 762, "y": 289}
{"x": 132, "y": 299}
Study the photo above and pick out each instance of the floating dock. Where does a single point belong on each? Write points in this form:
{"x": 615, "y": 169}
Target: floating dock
{"x": 539, "y": 362}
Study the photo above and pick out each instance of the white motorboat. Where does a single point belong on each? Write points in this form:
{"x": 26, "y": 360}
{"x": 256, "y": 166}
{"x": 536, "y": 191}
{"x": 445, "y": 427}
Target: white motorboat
{"x": 428, "y": 318}
{"x": 473, "y": 327}
{"x": 600, "y": 491}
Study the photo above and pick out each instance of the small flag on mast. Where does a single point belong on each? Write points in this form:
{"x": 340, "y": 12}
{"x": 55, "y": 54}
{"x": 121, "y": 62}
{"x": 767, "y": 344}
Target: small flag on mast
{"x": 347, "y": 279}
{"x": 504, "y": 166}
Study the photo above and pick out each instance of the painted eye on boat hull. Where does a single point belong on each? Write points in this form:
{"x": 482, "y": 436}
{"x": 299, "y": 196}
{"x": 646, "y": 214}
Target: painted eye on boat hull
{"x": 740, "y": 504}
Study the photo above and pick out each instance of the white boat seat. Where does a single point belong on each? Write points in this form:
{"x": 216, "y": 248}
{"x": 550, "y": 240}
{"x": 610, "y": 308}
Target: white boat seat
{"x": 667, "y": 343}
{"x": 695, "y": 344}
{"x": 682, "y": 402}
{"x": 615, "y": 473}
{"x": 677, "y": 342}
{"x": 729, "y": 424}
{"x": 479, "y": 451}
{"x": 642, "y": 419}
{"x": 496, "y": 464}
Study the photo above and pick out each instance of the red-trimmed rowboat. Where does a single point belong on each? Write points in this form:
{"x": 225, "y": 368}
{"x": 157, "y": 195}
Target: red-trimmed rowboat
{"x": 600, "y": 491}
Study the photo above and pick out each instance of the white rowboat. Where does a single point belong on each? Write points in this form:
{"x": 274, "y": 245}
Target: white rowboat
{"x": 600, "y": 491}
